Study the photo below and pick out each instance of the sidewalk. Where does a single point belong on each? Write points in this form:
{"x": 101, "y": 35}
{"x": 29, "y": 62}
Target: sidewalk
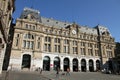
{"x": 16, "y": 75}
{"x": 3, "y": 75}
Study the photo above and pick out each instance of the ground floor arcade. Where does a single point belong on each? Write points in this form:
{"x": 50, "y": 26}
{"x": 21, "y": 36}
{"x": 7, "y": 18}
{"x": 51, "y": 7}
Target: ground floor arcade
{"x": 50, "y": 62}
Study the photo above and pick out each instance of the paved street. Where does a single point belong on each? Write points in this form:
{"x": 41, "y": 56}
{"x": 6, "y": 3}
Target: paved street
{"x": 51, "y": 75}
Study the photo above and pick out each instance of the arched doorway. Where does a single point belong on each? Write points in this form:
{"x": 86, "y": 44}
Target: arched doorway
{"x": 91, "y": 66}
{"x": 26, "y": 61}
{"x": 97, "y": 65}
{"x": 75, "y": 64}
{"x": 46, "y": 63}
{"x": 56, "y": 63}
{"x": 83, "y": 65}
{"x": 66, "y": 64}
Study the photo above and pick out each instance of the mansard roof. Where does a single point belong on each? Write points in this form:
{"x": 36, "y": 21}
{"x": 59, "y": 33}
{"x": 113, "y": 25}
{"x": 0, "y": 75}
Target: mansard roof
{"x": 60, "y": 24}
{"x": 34, "y": 13}
{"x": 52, "y": 22}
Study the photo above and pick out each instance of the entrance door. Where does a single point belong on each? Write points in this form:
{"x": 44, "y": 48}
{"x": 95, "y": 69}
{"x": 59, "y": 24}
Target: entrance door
{"x": 56, "y": 63}
{"x": 46, "y": 63}
{"x": 83, "y": 65}
{"x": 66, "y": 64}
{"x": 75, "y": 64}
{"x": 26, "y": 61}
{"x": 91, "y": 66}
{"x": 97, "y": 65}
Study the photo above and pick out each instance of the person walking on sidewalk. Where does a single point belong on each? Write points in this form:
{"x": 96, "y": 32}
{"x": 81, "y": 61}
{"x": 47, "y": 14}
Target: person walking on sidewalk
{"x": 57, "y": 73}
{"x": 68, "y": 72}
{"x": 40, "y": 70}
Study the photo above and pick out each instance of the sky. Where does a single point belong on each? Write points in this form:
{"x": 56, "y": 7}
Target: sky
{"x": 83, "y": 12}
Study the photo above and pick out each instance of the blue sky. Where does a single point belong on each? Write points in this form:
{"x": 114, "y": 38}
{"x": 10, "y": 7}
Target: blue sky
{"x": 83, "y": 12}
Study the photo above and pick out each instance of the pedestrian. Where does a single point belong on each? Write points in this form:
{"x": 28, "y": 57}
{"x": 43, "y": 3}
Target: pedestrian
{"x": 68, "y": 72}
{"x": 57, "y": 73}
{"x": 40, "y": 70}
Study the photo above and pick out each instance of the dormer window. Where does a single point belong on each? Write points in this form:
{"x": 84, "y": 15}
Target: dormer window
{"x": 47, "y": 20}
{"x": 56, "y": 22}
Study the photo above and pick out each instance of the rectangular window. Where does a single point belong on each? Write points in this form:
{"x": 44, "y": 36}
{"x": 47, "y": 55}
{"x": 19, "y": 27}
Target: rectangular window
{"x": 49, "y": 48}
{"x": 45, "y": 39}
{"x": 49, "y": 39}
{"x": 16, "y": 42}
{"x": 45, "y": 47}
{"x": 67, "y": 48}
{"x": 58, "y": 40}
{"x": 27, "y": 26}
{"x": 28, "y": 44}
{"x": 24, "y": 44}
{"x": 33, "y": 27}
{"x": 64, "y": 49}
{"x": 55, "y": 48}
{"x": 55, "y": 40}
{"x": 38, "y": 45}
{"x": 96, "y": 53}
{"x": 82, "y": 50}
{"x": 31, "y": 44}
{"x": 59, "y": 48}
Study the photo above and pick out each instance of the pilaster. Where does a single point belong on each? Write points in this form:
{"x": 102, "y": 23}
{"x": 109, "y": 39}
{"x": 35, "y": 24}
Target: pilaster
{"x": 94, "y": 65}
{"x": 52, "y": 44}
{"x": 61, "y": 45}
{"x": 87, "y": 65}
{"x": 86, "y": 48}
{"x": 42, "y": 43}
{"x": 70, "y": 47}
{"x": 78, "y": 48}
{"x": 93, "y": 49}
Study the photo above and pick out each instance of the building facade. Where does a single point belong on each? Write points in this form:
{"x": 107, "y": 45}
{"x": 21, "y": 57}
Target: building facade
{"x": 51, "y": 44}
{"x": 6, "y": 10}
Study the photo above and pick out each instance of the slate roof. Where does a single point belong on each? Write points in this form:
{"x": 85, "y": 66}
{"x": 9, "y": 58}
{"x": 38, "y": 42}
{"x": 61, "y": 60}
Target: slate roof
{"x": 60, "y": 24}
{"x": 55, "y": 23}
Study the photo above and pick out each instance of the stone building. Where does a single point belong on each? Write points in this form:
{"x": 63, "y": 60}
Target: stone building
{"x": 51, "y": 44}
{"x": 6, "y": 10}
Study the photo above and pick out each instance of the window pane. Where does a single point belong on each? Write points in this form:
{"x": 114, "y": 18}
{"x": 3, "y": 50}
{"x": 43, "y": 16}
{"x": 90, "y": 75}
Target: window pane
{"x": 49, "y": 47}
{"x": 26, "y": 25}
{"x": 24, "y": 43}
{"x": 16, "y": 42}
{"x": 38, "y": 45}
